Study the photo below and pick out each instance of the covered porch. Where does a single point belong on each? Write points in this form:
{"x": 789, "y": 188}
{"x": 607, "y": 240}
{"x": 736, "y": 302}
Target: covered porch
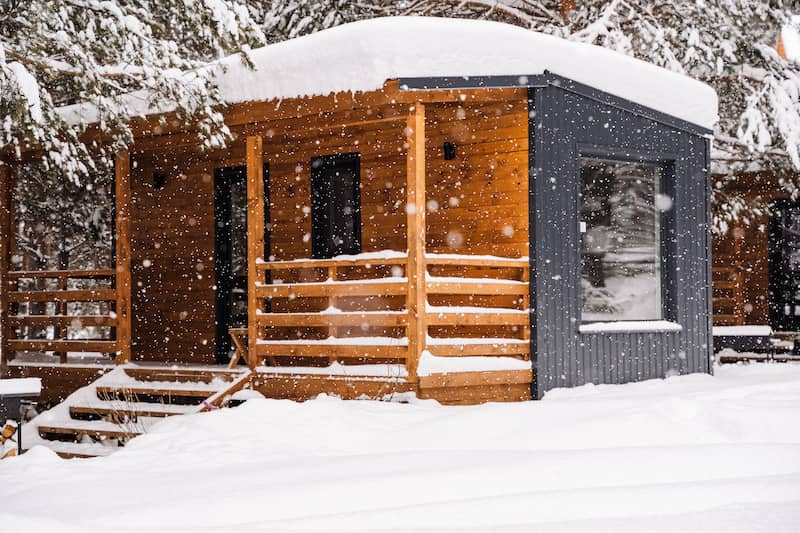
{"x": 436, "y": 297}
{"x": 441, "y": 321}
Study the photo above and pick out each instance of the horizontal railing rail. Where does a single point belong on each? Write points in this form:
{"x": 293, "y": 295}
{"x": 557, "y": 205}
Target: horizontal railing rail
{"x": 304, "y": 318}
{"x": 47, "y": 327}
{"x": 60, "y": 274}
{"x": 332, "y": 308}
{"x": 727, "y": 291}
{"x": 496, "y": 324}
{"x": 369, "y": 261}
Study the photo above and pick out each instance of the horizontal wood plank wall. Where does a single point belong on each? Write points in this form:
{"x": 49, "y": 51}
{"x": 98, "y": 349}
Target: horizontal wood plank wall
{"x": 478, "y": 201}
{"x": 752, "y": 251}
{"x": 173, "y": 228}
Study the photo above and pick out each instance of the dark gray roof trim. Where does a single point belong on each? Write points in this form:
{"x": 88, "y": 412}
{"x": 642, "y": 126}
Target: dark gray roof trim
{"x": 543, "y": 80}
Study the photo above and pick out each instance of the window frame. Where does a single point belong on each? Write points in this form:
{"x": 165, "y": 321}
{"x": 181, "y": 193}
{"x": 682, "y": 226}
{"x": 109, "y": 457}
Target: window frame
{"x": 666, "y": 164}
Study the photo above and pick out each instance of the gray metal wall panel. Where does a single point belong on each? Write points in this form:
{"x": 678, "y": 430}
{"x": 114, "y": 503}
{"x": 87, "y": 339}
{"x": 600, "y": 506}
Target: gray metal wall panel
{"x": 561, "y": 122}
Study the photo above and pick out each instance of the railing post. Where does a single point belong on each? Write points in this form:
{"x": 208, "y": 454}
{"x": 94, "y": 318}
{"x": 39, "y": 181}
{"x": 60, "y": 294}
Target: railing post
{"x": 6, "y": 235}
{"x": 738, "y": 292}
{"x": 415, "y": 225}
{"x": 255, "y": 239}
{"x": 332, "y": 330}
{"x": 63, "y": 284}
{"x": 122, "y": 175}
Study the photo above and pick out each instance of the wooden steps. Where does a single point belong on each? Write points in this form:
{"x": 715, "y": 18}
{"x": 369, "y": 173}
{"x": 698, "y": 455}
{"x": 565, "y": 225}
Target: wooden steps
{"x": 101, "y": 417}
{"x": 77, "y": 450}
{"x": 158, "y": 392}
{"x": 104, "y": 409}
{"x": 77, "y": 430}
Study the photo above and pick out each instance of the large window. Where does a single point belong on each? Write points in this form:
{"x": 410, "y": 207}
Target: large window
{"x": 620, "y": 240}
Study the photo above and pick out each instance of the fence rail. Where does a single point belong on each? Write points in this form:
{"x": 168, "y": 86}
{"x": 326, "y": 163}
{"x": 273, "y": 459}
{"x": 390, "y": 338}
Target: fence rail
{"x": 357, "y": 308}
{"x": 46, "y": 327}
{"x": 727, "y": 284}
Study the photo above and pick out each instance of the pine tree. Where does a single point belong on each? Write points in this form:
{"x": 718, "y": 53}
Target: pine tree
{"x": 729, "y": 44}
{"x": 59, "y": 52}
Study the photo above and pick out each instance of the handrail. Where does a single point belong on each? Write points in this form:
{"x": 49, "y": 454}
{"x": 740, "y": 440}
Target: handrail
{"x": 61, "y": 321}
{"x": 399, "y": 259}
{"x": 476, "y": 261}
{"x": 328, "y": 263}
{"x": 499, "y": 277}
{"x": 33, "y": 274}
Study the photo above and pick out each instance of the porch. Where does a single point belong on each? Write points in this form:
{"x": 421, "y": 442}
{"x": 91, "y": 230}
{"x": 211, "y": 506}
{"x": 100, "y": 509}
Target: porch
{"x": 454, "y": 326}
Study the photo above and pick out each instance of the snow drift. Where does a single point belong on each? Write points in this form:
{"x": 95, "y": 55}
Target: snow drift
{"x": 690, "y": 453}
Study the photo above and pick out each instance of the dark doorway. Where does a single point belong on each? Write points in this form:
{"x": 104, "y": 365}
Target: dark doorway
{"x": 335, "y": 205}
{"x": 230, "y": 245}
{"x": 784, "y": 266}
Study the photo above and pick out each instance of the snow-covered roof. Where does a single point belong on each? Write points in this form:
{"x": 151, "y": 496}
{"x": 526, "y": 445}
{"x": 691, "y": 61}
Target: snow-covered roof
{"x": 361, "y": 56}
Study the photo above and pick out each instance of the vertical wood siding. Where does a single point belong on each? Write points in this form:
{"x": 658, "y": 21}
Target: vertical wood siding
{"x": 561, "y": 123}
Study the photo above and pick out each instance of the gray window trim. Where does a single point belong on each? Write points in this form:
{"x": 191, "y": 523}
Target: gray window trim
{"x": 666, "y": 162}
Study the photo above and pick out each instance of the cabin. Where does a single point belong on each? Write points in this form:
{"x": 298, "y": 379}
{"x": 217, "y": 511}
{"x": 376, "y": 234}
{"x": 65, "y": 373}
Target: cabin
{"x": 755, "y": 272}
{"x": 460, "y": 210}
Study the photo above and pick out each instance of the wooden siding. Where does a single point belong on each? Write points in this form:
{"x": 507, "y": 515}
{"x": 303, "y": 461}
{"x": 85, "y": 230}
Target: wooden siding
{"x": 477, "y": 202}
{"x": 172, "y": 242}
{"x": 747, "y": 248}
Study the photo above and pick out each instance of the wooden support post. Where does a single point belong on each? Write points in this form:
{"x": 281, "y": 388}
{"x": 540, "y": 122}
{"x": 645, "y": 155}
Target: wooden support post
{"x": 6, "y": 236}
{"x": 738, "y": 291}
{"x": 415, "y": 225}
{"x": 122, "y": 174}
{"x": 61, "y": 333}
{"x": 255, "y": 238}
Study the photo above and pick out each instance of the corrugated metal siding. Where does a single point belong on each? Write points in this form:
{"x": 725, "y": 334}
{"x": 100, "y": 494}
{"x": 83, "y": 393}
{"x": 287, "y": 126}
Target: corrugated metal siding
{"x": 563, "y": 123}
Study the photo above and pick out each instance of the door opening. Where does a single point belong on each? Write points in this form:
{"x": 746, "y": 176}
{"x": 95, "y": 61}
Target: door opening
{"x": 784, "y": 266}
{"x": 230, "y": 246}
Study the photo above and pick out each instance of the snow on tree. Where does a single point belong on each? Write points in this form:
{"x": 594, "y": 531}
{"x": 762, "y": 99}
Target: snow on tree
{"x": 58, "y": 52}
{"x": 729, "y": 44}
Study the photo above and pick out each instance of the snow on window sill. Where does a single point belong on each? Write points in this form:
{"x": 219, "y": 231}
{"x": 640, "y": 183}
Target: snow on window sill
{"x": 632, "y": 326}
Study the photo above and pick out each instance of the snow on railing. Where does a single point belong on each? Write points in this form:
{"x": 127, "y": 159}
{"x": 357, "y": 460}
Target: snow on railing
{"x": 364, "y": 314}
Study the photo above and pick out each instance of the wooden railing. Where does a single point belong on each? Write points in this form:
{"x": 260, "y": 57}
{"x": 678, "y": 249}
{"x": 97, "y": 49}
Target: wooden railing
{"x": 49, "y": 329}
{"x": 728, "y": 296}
{"x": 357, "y": 309}
{"x": 477, "y": 306}
{"x": 328, "y": 307}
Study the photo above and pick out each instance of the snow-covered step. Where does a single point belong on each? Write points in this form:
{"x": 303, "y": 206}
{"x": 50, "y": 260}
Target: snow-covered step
{"x": 103, "y": 409}
{"x": 96, "y": 429}
{"x": 159, "y": 391}
{"x": 80, "y": 450}
{"x": 127, "y": 401}
{"x": 195, "y": 374}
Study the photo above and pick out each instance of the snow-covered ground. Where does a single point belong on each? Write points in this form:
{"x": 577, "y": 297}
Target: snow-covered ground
{"x": 691, "y": 453}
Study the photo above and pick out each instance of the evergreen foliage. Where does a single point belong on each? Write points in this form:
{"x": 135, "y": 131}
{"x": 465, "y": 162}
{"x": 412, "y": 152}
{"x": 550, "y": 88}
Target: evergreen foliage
{"x": 60, "y": 52}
